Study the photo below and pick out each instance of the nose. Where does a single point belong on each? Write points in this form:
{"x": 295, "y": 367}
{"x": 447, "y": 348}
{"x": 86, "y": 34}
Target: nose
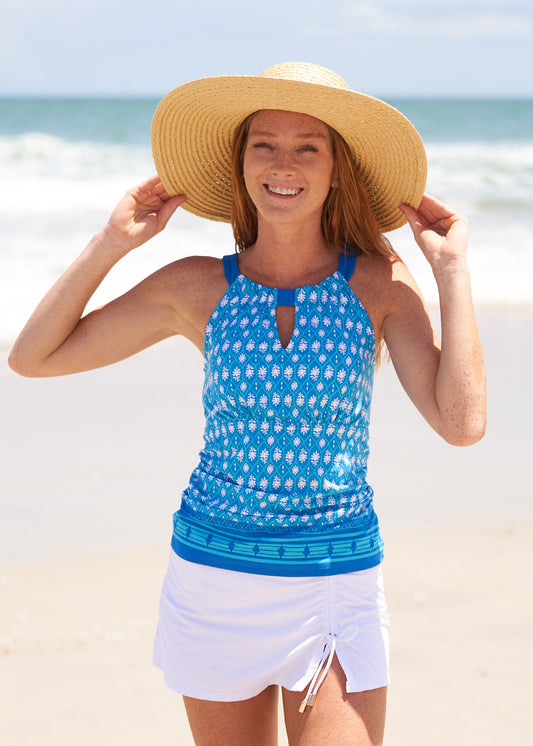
{"x": 282, "y": 161}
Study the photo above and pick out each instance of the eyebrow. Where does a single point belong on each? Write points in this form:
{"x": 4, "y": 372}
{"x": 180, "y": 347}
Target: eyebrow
{"x": 305, "y": 136}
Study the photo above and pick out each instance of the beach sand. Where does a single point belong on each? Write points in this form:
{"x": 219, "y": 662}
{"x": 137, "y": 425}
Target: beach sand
{"x": 92, "y": 467}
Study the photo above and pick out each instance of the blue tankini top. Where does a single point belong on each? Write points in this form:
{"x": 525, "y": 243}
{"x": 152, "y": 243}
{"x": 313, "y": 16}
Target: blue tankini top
{"x": 280, "y": 488}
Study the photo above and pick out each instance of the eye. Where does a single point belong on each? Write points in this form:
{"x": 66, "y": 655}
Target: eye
{"x": 309, "y": 149}
{"x": 259, "y": 145}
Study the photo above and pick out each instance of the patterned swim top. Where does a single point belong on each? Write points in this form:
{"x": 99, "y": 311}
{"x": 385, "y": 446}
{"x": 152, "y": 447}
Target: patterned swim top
{"x": 281, "y": 486}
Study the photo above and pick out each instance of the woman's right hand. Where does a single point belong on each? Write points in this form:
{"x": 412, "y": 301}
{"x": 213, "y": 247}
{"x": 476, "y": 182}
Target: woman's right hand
{"x": 142, "y": 213}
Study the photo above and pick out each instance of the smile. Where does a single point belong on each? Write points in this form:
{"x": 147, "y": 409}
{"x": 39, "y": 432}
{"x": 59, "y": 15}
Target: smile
{"x": 282, "y": 191}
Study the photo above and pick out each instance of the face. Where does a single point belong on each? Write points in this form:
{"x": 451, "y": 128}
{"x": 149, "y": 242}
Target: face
{"x": 288, "y": 165}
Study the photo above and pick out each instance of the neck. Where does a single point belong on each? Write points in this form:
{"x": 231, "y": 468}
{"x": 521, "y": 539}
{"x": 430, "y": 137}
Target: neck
{"x": 290, "y": 256}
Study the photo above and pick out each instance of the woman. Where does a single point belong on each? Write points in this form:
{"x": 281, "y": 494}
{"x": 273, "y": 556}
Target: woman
{"x": 274, "y": 576}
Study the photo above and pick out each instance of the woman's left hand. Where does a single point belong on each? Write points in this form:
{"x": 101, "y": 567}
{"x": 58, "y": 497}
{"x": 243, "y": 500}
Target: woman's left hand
{"x": 441, "y": 233}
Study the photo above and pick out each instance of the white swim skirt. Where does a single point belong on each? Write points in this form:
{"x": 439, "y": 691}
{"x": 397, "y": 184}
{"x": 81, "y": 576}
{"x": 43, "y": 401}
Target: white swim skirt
{"x": 225, "y": 635}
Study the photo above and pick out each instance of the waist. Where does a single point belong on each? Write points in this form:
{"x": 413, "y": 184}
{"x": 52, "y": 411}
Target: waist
{"x": 265, "y": 504}
{"x": 292, "y": 553}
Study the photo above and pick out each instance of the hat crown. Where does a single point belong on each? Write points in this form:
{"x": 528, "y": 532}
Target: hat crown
{"x": 305, "y": 72}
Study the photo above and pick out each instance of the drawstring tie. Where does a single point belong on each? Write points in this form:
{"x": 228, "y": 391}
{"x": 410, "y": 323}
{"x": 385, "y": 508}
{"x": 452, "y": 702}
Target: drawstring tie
{"x": 324, "y": 666}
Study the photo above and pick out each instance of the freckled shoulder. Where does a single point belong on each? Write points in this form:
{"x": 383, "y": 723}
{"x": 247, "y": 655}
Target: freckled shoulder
{"x": 194, "y": 286}
{"x": 371, "y": 282}
{"x": 382, "y": 284}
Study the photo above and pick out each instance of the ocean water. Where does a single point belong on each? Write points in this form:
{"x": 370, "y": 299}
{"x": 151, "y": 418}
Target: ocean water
{"x": 64, "y": 163}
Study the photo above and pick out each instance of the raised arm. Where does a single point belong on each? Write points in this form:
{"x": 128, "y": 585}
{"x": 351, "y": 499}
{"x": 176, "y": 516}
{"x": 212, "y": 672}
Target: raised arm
{"x": 57, "y": 340}
{"x": 446, "y": 381}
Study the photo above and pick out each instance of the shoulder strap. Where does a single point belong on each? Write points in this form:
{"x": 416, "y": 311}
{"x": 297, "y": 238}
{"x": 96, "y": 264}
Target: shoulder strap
{"x": 231, "y": 267}
{"x": 347, "y": 265}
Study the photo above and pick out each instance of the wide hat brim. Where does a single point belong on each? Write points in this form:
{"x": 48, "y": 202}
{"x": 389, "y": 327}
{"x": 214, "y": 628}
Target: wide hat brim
{"x": 193, "y": 127}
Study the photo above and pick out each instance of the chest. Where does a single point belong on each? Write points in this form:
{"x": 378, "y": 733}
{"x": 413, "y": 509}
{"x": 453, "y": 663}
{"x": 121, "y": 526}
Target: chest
{"x": 314, "y": 357}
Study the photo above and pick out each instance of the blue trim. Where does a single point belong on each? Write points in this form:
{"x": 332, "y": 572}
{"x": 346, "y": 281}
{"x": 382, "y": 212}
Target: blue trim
{"x": 295, "y": 554}
{"x": 347, "y": 265}
{"x": 286, "y": 297}
{"x": 231, "y": 267}
{"x": 287, "y": 570}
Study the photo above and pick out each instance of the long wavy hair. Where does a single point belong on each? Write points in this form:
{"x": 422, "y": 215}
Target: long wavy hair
{"x": 347, "y": 218}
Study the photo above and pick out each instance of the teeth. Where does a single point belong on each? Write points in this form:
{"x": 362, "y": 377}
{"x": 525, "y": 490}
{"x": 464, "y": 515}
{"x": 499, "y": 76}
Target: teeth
{"x": 278, "y": 190}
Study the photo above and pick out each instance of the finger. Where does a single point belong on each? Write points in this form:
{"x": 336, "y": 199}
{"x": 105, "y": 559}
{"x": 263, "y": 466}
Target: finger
{"x": 433, "y": 203}
{"x": 158, "y": 190}
{"x": 433, "y": 210}
{"x": 415, "y": 219}
{"x": 150, "y": 189}
{"x": 168, "y": 208}
{"x": 151, "y": 184}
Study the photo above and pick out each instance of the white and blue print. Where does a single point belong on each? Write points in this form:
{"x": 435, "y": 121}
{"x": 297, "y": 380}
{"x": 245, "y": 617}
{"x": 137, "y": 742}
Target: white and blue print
{"x": 281, "y": 484}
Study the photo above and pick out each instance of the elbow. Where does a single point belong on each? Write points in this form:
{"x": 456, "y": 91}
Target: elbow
{"x": 20, "y": 366}
{"x": 464, "y": 440}
{"x": 466, "y": 435}
{"x": 17, "y": 367}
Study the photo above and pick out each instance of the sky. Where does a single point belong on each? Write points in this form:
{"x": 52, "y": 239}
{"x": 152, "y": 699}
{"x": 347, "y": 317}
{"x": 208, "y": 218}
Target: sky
{"x": 426, "y": 48}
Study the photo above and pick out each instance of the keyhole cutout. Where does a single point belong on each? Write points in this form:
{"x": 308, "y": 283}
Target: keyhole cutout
{"x": 285, "y": 318}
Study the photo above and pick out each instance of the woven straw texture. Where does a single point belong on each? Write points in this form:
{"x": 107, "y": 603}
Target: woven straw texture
{"x": 193, "y": 128}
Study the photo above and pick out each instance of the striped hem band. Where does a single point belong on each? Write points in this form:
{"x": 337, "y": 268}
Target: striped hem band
{"x": 290, "y": 554}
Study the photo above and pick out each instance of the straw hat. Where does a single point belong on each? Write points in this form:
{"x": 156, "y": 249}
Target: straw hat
{"x": 193, "y": 128}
